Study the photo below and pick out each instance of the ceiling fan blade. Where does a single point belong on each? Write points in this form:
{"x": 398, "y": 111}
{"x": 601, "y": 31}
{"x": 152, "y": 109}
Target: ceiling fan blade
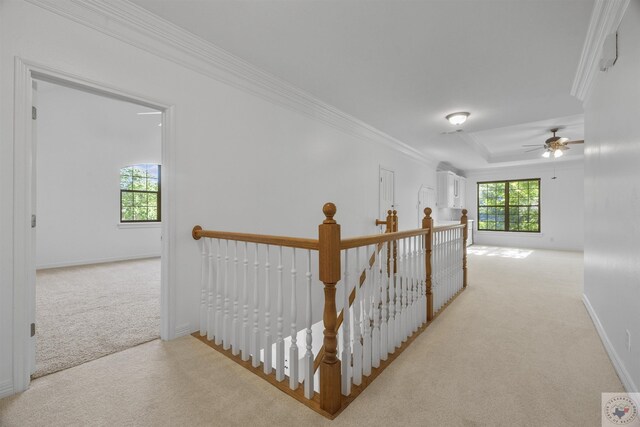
{"x": 535, "y": 149}
{"x": 532, "y": 145}
{"x": 577, "y": 141}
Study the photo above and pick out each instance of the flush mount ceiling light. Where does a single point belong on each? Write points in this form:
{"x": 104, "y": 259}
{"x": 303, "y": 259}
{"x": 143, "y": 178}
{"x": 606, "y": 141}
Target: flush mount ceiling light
{"x": 457, "y": 119}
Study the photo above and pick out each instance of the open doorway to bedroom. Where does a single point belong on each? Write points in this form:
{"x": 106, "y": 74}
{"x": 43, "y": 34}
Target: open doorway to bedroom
{"x": 98, "y": 236}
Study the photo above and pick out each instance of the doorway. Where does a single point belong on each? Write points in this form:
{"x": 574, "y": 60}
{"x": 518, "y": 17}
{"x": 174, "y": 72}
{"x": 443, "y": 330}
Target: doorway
{"x": 386, "y": 191}
{"x": 97, "y": 168}
{"x": 24, "y": 207}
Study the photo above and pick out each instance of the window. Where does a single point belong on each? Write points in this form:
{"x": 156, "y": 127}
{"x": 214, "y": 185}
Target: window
{"x": 509, "y": 205}
{"x": 140, "y": 193}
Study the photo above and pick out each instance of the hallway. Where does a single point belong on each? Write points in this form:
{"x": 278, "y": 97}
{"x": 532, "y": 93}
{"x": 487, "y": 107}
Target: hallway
{"x": 516, "y": 348}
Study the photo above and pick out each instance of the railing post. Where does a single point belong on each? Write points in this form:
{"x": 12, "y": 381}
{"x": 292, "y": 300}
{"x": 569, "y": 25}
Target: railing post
{"x": 427, "y": 222}
{"x": 329, "y": 262}
{"x": 465, "y": 234}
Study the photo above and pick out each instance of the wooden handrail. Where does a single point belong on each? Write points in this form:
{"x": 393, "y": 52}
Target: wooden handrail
{"x": 330, "y": 400}
{"x": 291, "y": 242}
{"x": 356, "y": 242}
{"x": 447, "y": 227}
{"x": 363, "y": 276}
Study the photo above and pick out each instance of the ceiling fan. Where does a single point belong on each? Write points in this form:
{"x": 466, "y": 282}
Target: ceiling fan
{"x": 554, "y": 145}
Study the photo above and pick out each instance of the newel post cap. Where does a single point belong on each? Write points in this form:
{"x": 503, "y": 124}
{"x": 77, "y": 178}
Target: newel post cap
{"x": 329, "y": 210}
{"x": 427, "y": 212}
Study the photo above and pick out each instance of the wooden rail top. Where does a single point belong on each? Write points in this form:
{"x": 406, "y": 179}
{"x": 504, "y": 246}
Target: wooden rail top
{"x": 356, "y": 242}
{"x": 291, "y": 242}
{"x": 448, "y": 227}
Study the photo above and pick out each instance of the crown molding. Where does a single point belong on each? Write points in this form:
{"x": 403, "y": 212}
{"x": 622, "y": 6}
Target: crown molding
{"x": 138, "y": 27}
{"x": 605, "y": 19}
{"x": 548, "y": 165}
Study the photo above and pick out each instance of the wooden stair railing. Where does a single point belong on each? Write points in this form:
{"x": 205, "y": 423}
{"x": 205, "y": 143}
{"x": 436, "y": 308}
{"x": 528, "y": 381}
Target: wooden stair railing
{"x": 409, "y": 281}
{"x": 391, "y": 225}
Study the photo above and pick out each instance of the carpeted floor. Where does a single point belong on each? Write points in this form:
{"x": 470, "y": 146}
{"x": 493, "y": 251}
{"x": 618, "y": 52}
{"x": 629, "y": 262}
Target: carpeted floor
{"x": 516, "y": 349}
{"x": 86, "y": 312}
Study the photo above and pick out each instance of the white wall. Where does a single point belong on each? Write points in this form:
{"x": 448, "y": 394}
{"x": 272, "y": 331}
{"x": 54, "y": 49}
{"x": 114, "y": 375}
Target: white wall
{"x": 83, "y": 141}
{"x": 612, "y": 202}
{"x": 561, "y": 214}
{"x": 242, "y": 162}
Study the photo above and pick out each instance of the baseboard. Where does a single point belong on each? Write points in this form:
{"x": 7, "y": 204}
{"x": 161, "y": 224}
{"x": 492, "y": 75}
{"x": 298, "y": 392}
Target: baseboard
{"x": 622, "y": 372}
{"x": 6, "y": 388}
{"x": 95, "y": 261}
{"x": 183, "y": 330}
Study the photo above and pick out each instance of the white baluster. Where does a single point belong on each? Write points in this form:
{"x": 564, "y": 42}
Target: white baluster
{"x": 246, "y": 337}
{"x": 460, "y": 257}
{"x": 420, "y": 309}
{"x": 375, "y": 339}
{"x": 450, "y": 267}
{"x": 308, "y": 356}
{"x": 405, "y": 285}
{"x": 346, "y": 337}
{"x": 293, "y": 350}
{"x": 235, "y": 340}
{"x": 366, "y": 316}
{"x": 384, "y": 284}
{"x": 423, "y": 280}
{"x": 398, "y": 283}
{"x": 357, "y": 325}
{"x": 203, "y": 284}
{"x": 255, "y": 334}
{"x": 416, "y": 283}
{"x": 210, "y": 312}
{"x": 267, "y": 317}
{"x": 451, "y": 260}
{"x": 391, "y": 338}
{"x": 410, "y": 277}
{"x": 280, "y": 320}
{"x": 219, "y": 289}
{"x": 435, "y": 280}
{"x": 226, "y": 322}
{"x": 438, "y": 282}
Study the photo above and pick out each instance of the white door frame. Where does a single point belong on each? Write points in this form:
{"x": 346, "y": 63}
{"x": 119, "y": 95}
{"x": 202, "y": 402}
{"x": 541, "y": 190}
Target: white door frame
{"x": 23, "y": 262}
{"x": 383, "y": 212}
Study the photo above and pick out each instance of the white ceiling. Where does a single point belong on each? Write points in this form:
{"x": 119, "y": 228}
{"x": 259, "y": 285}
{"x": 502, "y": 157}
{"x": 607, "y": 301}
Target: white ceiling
{"x": 401, "y": 66}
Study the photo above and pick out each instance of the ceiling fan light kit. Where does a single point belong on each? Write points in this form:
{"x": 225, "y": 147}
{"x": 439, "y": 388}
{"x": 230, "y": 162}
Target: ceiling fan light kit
{"x": 556, "y": 145}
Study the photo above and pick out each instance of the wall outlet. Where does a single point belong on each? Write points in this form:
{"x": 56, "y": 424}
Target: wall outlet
{"x": 628, "y": 340}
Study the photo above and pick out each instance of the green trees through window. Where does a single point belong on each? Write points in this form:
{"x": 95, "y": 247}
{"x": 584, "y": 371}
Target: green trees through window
{"x": 509, "y": 205}
{"x": 140, "y": 193}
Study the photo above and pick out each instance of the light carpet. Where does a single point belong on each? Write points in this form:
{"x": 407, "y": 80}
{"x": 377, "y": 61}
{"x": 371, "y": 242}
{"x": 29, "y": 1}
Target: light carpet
{"x": 517, "y": 348}
{"x": 89, "y": 311}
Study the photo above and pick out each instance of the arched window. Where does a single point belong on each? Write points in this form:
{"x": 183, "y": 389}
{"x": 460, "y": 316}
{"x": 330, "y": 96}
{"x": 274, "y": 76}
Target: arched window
{"x": 140, "y": 193}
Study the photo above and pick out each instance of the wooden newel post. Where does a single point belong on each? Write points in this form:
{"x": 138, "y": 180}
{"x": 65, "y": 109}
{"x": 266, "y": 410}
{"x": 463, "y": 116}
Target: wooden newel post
{"x": 465, "y": 234}
{"x": 427, "y": 222}
{"x": 329, "y": 261}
